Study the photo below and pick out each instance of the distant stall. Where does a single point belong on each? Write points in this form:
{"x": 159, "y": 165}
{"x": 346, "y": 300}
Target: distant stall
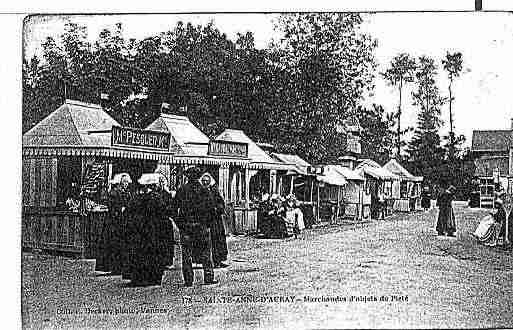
{"x": 406, "y": 188}
{"x": 258, "y": 178}
{"x": 330, "y": 194}
{"x": 353, "y": 194}
{"x": 377, "y": 180}
{"x": 301, "y": 182}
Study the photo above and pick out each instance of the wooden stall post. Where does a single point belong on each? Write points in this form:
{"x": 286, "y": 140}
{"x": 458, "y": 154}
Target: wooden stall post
{"x": 318, "y": 203}
{"x": 272, "y": 183}
{"x": 224, "y": 187}
{"x": 338, "y": 205}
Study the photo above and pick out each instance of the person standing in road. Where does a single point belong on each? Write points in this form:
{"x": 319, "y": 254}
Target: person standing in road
{"x": 446, "y": 223}
{"x": 217, "y": 231}
{"x": 425, "y": 198}
{"x": 192, "y": 208}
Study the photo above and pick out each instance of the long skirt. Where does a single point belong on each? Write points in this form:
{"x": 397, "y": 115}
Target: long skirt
{"x": 168, "y": 242}
{"x": 446, "y": 221}
{"x": 487, "y": 232}
{"x": 110, "y": 248}
{"x": 218, "y": 236}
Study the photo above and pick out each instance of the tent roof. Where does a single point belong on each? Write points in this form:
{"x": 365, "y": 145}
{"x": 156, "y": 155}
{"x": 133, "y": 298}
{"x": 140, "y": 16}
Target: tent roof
{"x": 373, "y": 169}
{"x": 349, "y": 174}
{"x": 255, "y": 153}
{"x": 332, "y": 176}
{"x": 73, "y": 124}
{"x": 181, "y": 128}
{"x": 300, "y": 165}
{"x": 396, "y": 168}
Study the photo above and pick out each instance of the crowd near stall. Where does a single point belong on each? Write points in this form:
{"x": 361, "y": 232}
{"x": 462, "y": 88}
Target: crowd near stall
{"x": 73, "y": 159}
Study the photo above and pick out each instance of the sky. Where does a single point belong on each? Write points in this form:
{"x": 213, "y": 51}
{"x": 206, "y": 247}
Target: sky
{"x": 485, "y": 39}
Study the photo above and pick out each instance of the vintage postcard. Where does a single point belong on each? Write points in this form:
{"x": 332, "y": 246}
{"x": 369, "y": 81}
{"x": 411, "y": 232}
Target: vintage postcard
{"x": 312, "y": 170}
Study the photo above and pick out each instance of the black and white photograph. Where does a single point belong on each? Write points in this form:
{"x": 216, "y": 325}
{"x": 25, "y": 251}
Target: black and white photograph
{"x": 267, "y": 170}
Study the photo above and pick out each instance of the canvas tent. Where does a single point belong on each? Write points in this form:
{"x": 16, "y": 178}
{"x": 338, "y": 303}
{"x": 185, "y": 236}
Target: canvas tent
{"x": 377, "y": 180}
{"x": 353, "y": 192}
{"x": 405, "y": 189}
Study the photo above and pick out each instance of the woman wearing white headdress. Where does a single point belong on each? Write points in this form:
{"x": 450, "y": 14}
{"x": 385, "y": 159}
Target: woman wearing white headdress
{"x": 489, "y": 228}
{"x": 217, "y": 231}
{"x": 148, "y": 254}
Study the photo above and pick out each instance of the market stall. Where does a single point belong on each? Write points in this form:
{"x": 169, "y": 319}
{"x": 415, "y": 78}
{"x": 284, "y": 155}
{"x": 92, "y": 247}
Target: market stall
{"x": 330, "y": 194}
{"x": 377, "y": 179}
{"x": 300, "y": 182}
{"x": 258, "y": 178}
{"x": 353, "y": 195}
{"x": 69, "y": 159}
{"x": 406, "y": 188}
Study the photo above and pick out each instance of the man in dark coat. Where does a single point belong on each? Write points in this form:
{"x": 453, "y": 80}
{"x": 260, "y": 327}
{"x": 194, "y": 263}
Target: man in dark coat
{"x": 192, "y": 208}
{"x": 111, "y": 250}
{"x": 217, "y": 231}
{"x": 446, "y": 223}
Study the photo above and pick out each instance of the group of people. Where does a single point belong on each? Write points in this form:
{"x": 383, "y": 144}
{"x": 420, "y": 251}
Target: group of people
{"x": 496, "y": 229}
{"x": 279, "y": 218}
{"x": 137, "y": 239}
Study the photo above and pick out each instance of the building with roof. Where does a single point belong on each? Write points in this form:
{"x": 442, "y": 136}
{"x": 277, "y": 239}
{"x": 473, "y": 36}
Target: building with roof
{"x": 405, "y": 188}
{"x": 492, "y": 152}
{"x": 71, "y": 156}
{"x": 353, "y": 193}
{"x": 377, "y": 181}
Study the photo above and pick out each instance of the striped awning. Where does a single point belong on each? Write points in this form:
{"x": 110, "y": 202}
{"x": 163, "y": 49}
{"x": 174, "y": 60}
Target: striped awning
{"x": 270, "y": 166}
{"x": 119, "y": 152}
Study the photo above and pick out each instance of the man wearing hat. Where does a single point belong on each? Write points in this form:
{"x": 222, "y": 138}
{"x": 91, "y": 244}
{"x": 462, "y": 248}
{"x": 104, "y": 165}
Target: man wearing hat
{"x": 191, "y": 210}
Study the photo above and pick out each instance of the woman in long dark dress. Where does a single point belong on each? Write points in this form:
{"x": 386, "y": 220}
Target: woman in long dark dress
{"x": 147, "y": 260}
{"x": 446, "y": 223}
{"x": 111, "y": 249}
{"x": 167, "y": 232}
{"x": 425, "y": 199}
{"x": 217, "y": 231}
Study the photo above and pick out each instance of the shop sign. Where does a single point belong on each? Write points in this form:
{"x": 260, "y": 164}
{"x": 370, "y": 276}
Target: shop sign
{"x": 124, "y": 136}
{"x": 228, "y": 148}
